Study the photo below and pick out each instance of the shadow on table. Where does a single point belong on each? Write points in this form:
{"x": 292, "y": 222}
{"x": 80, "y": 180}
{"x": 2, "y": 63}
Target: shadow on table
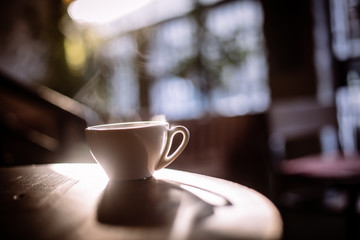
{"x": 149, "y": 203}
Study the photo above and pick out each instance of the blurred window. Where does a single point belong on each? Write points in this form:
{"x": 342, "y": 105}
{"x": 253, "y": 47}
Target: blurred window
{"x": 228, "y": 49}
{"x": 345, "y": 25}
{"x": 193, "y": 57}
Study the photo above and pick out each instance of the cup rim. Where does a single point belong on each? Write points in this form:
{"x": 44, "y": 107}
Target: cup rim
{"x": 119, "y": 125}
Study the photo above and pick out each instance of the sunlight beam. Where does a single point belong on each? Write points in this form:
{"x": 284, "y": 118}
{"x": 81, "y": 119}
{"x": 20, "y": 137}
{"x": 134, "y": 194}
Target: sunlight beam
{"x": 104, "y": 11}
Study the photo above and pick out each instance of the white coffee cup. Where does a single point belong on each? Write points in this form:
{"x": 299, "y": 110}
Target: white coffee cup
{"x": 134, "y": 150}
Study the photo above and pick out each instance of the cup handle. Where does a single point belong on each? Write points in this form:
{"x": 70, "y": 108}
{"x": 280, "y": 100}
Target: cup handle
{"x": 165, "y": 159}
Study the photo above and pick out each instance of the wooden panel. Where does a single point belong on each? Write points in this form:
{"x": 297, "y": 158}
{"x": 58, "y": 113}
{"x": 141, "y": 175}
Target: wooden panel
{"x": 234, "y": 148}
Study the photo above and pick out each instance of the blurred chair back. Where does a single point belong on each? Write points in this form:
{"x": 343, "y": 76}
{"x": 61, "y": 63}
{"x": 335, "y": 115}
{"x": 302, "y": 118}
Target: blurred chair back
{"x": 299, "y": 129}
{"x": 303, "y": 127}
{"x": 37, "y": 125}
{"x": 308, "y": 177}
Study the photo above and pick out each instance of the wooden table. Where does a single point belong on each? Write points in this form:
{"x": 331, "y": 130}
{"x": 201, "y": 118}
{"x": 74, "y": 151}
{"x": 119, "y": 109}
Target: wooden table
{"x": 76, "y": 201}
{"x": 331, "y": 170}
